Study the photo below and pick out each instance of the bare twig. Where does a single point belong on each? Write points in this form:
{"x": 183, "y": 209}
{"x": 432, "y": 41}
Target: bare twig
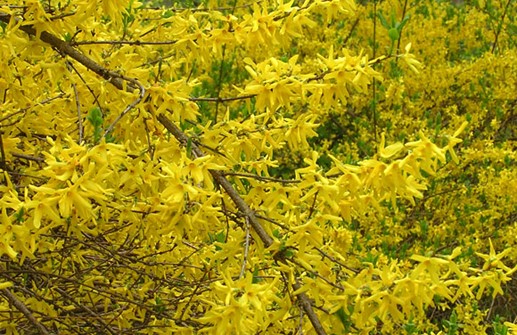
{"x": 500, "y": 26}
{"x": 86, "y": 309}
{"x": 28, "y": 157}
{"x": 276, "y": 223}
{"x": 315, "y": 273}
{"x": 137, "y": 42}
{"x": 13, "y": 299}
{"x": 246, "y": 248}
{"x": 2, "y": 153}
{"x": 130, "y": 106}
{"x": 261, "y": 178}
{"x": 354, "y": 25}
{"x": 61, "y": 16}
{"x": 79, "y": 116}
{"x": 307, "y": 308}
{"x": 336, "y": 261}
{"x": 95, "y": 97}
{"x": 219, "y": 99}
{"x": 199, "y": 9}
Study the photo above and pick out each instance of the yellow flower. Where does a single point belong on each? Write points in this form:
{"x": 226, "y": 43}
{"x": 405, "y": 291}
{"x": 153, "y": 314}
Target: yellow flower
{"x": 390, "y": 150}
{"x": 199, "y": 169}
{"x": 72, "y": 201}
{"x": 6, "y": 235}
{"x": 410, "y": 60}
{"x": 512, "y": 328}
{"x": 493, "y": 260}
{"x": 432, "y": 265}
{"x": 6, "y": 284}
{"x": 455, "y": 140}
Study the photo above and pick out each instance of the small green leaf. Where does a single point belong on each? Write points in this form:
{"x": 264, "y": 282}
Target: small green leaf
{"x": 383, "y": 20}
{"x": 256, "y": 279}
{"x": 19, "y": 215}
{"x": 3, "y": 25}
{"x": 401, "y": 24}
{"x": 393, "y": 34}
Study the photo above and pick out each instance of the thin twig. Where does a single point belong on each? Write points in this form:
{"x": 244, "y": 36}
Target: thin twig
{"x": 95, "y": 97}
{"x": 42, "y": 102}
{"x": 61, "y": 16}
{"x": 137, "y": 42}
{"x": 130, "y": 106}
{"x": 86, "y": 309}
{"x": 315, "y": 273}
{"x": 313, "y": 206}
{"x": 500, "y": 26}
{"x": 25, "y": 311}
{"x": 221, "y": 9}
{"x": 323, "y": 253}
{"x": 79, "y": 116}
{"x": 354, "y": 25}
{"x": 219, "y": 99}
{"x": 374, "y": 81}
{"x": 28, "y": 157}
{"x": 261, "y": 178}
{"x": 404, "y": 10}
{"x": 246, "y": 248}
{"x": 276, "y": 223}
{"x": 2, "y": 153}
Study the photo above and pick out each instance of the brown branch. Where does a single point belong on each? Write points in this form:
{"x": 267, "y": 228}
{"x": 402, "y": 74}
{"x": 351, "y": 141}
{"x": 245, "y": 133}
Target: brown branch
{"x": 218, "y": 99}
{"x": 65, "y": 48}
{"x": 354, "y": 25}
{"x": 130, "y": 106}
{"x": 199, "y": 9}
{"x": 261, "y": 178}
{"x": 61, "y": 16}
{"x": 28, "y": 157}
{"x": 118, "y": 81}
{"x": 246, "y": 249}
{"x": 499, "y": 28}
{"x": 307, "y": 307}
{"x": 2, "y": 153}
{"x": 13, "y": 299}
{"x": 221, "y": 179}
{"x": 85, "y": 308}
{"x": 79, "y": 116}
{"x": 137, "y": 42}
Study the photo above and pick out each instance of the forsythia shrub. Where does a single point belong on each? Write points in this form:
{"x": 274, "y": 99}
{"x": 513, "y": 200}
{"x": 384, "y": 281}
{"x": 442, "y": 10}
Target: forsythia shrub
{"x": 273, "y": 167}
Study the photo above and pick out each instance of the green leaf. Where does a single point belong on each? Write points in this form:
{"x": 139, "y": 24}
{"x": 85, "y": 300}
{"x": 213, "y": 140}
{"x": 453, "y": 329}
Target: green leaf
{"x": 3, "y": 25}
{"x": 96, "y": 120}
{"x": 393, "y": 34}
{"x": 402, "y": 23}
{"x": 344, "y": 318}
{"x": 383, "y": 20}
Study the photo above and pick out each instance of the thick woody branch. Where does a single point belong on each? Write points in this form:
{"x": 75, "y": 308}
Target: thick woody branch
{"x": 118, "y": 81}
{"x": 221, "y": 179}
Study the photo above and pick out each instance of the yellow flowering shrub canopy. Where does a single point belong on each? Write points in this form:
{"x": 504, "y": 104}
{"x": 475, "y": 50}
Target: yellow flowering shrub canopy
{"x": 258, "y": 167}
